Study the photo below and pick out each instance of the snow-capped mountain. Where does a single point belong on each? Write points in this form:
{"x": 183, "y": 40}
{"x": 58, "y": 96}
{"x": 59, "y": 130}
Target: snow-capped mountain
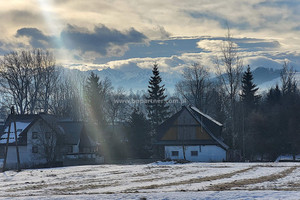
{"x": 136, "y": 78}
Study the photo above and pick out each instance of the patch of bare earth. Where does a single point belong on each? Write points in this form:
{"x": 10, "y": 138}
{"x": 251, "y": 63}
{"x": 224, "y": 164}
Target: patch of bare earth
{"x": 237, "y": 184}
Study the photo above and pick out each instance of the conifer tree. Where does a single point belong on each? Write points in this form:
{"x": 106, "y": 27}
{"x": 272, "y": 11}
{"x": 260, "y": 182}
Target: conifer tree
{"x": 249, "y": 89}
{"x": 95, "y": 93}
{"x": 156, "y": 99}
{"x": 274, "y": 96}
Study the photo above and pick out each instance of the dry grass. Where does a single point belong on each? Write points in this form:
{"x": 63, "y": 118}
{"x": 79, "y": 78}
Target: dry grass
{"x": 67, "y": 186}
{"x": 193, "y": 180}
{"x": 243, "y": 182}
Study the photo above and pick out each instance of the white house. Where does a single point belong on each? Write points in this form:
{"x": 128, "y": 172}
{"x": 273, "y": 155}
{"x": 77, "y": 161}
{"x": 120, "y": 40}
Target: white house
{"x": 192, "y": 135}
{"x": 42, "y": 139}
{"x": 35, "y": 133}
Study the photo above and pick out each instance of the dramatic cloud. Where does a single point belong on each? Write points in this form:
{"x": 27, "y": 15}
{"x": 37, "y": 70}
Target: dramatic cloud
{"x": 36, "y": 37}
{"x": 174, "y": 33}
{"x": 102, "y": 40}
{"x": 84, "y": 43}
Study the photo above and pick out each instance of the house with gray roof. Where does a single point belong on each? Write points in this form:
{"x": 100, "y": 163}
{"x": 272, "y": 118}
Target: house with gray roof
{"x": 192, "y": 135}
{"x": 43, "y": 139}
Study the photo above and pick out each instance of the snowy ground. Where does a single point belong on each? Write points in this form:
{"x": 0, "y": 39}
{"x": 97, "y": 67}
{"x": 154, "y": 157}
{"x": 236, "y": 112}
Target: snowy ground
{"x": 156, "y": 181}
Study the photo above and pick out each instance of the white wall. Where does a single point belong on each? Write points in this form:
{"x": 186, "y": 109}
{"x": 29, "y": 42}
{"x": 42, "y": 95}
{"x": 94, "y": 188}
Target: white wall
{"x": 36, "y": 158}
{"x": 27, "y": 158}
{"x": 206, "y": 153}
{"x": 11, "y": 161}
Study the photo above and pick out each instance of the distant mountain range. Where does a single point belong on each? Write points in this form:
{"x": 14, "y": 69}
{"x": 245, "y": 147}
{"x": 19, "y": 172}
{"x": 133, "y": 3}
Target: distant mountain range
{"x": 262, "y": 75}
{"x": 136, "y": 78}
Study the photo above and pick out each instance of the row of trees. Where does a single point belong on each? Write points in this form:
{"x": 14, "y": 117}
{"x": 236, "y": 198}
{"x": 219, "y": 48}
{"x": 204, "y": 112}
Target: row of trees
{"x": 264, "y": 125}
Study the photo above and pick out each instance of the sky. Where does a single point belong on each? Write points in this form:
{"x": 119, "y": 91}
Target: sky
{"x": 97, "y": 34}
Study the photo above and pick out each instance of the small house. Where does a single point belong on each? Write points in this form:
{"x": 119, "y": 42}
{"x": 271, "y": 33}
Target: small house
{"x": 43, "y": 139}
{"x": 37, "y": 136}
{"x": 191, "y": 135}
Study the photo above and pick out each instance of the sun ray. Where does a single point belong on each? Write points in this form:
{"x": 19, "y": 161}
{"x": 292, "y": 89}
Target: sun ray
{"x": 53, "y": 28}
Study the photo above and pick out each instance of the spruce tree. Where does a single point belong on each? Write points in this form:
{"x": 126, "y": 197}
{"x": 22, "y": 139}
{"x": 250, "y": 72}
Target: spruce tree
{"x": 95, "y": 99}
{"x": 249, "y": 89}
{"x": 156, "y": 99}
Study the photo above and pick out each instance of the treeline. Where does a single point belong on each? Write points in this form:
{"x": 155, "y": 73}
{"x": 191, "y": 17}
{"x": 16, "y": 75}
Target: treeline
{"x": 118, "y": 120}
{"x": 257, "y": 126}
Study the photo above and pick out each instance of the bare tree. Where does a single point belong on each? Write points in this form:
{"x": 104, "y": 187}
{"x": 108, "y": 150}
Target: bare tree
{"x": 67, "y": 96}
{"x": 195, "y": 85}
{"x": 229, "y": 71}
{"x": 25, "y": 76}
{"x": 49, "y": 79}
{"x": 287, "y": 77}
{"x": 16, "y": 78}
{"x": 117, "y": 108}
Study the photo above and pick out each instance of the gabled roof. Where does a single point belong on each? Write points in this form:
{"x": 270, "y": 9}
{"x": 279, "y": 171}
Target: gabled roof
{"x": 162, "y": 128}
{"x": 76, "y": 133}
{"x": 52, "y": 122}
{"x": 210, "y": 125}
{"x": 25, "y": 122}
{"x": 72, "y": 131}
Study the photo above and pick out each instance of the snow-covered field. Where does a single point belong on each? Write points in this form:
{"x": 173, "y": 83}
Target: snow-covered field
{"x": 156, "y": 181}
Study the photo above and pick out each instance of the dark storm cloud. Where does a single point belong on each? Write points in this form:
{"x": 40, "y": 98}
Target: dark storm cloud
{"x": 100, "y": 39}
{"x": 37, "y": 38}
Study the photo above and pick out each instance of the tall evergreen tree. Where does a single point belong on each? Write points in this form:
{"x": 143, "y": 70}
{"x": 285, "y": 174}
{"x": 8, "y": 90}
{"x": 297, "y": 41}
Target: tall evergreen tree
{"x": 96, "y": 92}
{"x": 249, "y": 100}
{"x": 249, "y": 89}
{"x": 95, "y": 99}
{"x": 156, "y": 99}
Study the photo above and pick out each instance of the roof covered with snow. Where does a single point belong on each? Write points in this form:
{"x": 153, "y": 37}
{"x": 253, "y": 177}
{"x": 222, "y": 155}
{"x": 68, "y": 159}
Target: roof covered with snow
{"x": 23, "y": 123}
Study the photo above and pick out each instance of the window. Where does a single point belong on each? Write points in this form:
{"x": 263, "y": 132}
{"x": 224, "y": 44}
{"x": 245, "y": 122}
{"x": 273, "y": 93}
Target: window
{"x": 34, "y": 149}
{"x": 34, "y": 135}
{"x": 194, "y": 153}
{"x": 175, "y": 153}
